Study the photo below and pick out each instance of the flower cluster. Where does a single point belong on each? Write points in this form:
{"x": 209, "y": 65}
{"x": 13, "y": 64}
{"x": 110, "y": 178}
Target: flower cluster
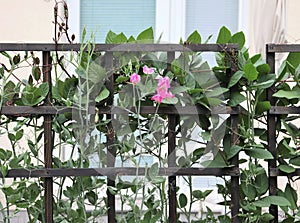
{"x": 162, "y": 90}
{"x": 163, "y": 86}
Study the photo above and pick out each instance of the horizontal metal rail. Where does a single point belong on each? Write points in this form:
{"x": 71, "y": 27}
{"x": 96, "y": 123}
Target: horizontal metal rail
{"x": 122, "y": 171}
{"x": 53, "y": 110}
{"x": 120, "y": 47}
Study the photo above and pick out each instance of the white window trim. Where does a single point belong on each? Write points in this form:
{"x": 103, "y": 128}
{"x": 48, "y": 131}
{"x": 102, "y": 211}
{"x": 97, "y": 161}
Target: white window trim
{"x": 169, "y": 19}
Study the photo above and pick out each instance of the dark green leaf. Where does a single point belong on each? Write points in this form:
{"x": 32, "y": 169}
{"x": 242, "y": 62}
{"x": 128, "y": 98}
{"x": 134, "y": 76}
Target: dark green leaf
{"x": 291, "y": 195}
{"x": 261, "y": 183}
{"x": 236, "y": 98}
{"x": 235, "y": 78}
{"x": 295, "y": 161}
{"x": 182, "y": 200}
{"x": 232, "y": 151}
{"x": 249, "y": 190}
{"x": 36, "y": 72}
{"x": 92, "y": 197}
{"x": 16, "y": 59}
{"x": 266, "y": 217}
{"x": 258, "y": 153}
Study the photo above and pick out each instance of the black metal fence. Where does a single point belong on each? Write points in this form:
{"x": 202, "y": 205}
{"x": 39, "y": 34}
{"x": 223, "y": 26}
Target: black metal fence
{"x": 48, "y": 111}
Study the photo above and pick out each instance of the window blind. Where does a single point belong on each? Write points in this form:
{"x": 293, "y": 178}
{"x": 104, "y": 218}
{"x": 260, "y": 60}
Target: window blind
{"x": 209, "y": 16}
{"x": 130, "y": 17}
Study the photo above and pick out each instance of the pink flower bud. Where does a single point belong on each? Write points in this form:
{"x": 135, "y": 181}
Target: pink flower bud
{"x": 148, "y": 70}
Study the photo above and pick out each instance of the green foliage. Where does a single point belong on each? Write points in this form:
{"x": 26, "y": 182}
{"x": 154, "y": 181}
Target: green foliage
{"x": 140, "y": 137}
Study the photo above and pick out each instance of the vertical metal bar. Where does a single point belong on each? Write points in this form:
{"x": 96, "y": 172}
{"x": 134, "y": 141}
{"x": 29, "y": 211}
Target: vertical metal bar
{"x": 172, "y": 163}
{"x": 235, "y": 188}
{"x": 271, "y": 126}
{"x": 235, "y": 180}
{"x": 111, "y": 152}
{"x": 171, "y": 155}
{"x": 48, "y": 142}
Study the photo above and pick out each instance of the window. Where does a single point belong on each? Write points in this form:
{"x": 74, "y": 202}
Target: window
{"x": 172, "y": 18}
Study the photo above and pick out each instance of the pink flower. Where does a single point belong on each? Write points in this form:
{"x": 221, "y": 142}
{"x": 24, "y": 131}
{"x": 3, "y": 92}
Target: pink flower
{"x": 148, "y": 70}
{"x": 158, "y": 98}
{"x": 135, "y": 78}
{"x": 164, "y": 82}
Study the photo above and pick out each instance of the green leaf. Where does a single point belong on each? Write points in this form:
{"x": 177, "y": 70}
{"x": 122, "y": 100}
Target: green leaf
{"x": 110, "y": 37}
{"x": 32, "y": 96}
{"x": 96, "y": 73}
{"x": 294, "y": 59}
{"x": 266, "y": 217}
{"x": 262, "y": 106}
{"x": 153, "y": 171}
{"x": 263, "y": 69}
{"x": 261, "y": 183}
{"x": 250, "y": 72}
{"x": 36, "y": 72}
{"x": 203, "y": 75}
{"x": 235, "y": 78}
{"x": 232, "y": 151}
{"x": 287, "y": 168}
{"x": 236, "y": 98}
{"x": 131, "y": 39}
{"x": 103, "y": 95}
{"x": 287, "y": 94}
{"x": 170, "y": 101}
{"x": 147, "y": 36}
{"x": 9, "y": 91}
{"x": 120, "y": 38}
{"x": 19, "y": 134}
{"x": 178, "y": 89}
{"x": 121, "y": 79}
{"x": 291, "y": 195}
{"x": 198, "y": 194}
{"x": 238, "y": 38}
{"x": 182, "y": 200}
{"x": 258, "y": 153}
{"x": 275, "y": 200}
{"x": 194, "y": 38}
{"x": 215, "y": 92}
{"x": 265, "y": 81}
{"x": 295, "y": 161}
{"x": 249, "y": 190}
{"x": 16, "y": 59}
{"x": 224, "y": 36}
{"x": 92, "y": 197}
